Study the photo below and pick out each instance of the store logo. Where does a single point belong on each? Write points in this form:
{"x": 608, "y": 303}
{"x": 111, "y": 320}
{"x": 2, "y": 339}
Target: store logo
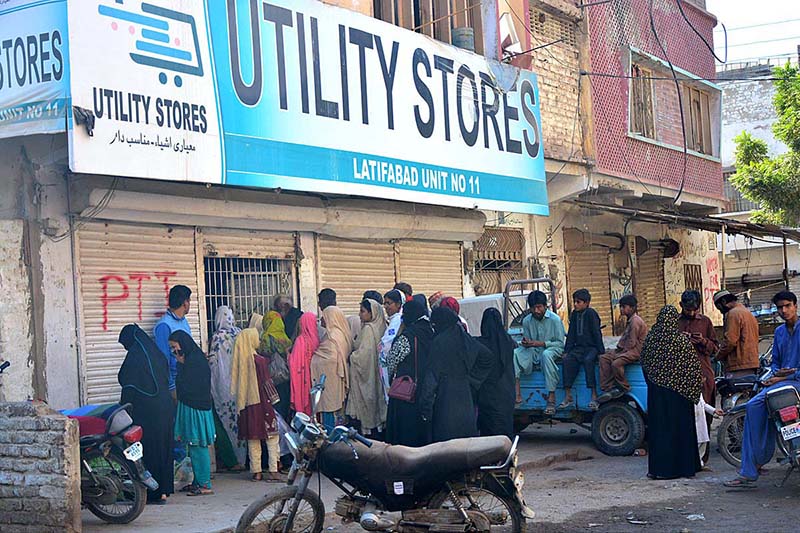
{"x": 158, "y": 44}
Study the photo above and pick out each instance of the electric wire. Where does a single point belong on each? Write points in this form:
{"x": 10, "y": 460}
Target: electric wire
{"x": 680, "y": 103}
{"x": 705, "y": 42}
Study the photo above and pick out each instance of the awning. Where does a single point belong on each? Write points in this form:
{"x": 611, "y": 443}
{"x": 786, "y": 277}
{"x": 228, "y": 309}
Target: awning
{"x": 706, "y": 223}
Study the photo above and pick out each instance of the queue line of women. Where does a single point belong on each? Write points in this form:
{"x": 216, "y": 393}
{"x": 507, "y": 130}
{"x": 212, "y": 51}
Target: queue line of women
{"x": 464, "y": 386}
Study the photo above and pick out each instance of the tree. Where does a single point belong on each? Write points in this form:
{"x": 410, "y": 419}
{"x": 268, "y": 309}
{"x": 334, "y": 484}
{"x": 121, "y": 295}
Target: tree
{"x": 774, "y": 182}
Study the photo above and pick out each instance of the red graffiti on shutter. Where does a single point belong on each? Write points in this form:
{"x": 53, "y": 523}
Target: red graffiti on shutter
{"x": 138, "y": 277}
{"x": 105, "y": 299}
{"x": 164, "y": 277}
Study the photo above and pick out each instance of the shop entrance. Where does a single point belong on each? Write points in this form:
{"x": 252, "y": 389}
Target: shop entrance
{"x": 246, "y": 285}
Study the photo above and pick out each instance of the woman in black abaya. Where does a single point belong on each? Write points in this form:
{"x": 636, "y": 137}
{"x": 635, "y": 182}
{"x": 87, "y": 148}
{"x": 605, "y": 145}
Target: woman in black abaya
{"x": 408, "y": 356}
{"x": 674, "y": 384}
{"x": 144, "y": 377}
{"x": 496, "y": 395}
{"x": 458, "y": 367}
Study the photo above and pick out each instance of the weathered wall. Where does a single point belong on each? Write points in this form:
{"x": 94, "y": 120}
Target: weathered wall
{"x": 16, "y": 383}
{"x": 362, "y": 6}
{"x": 697, "y": 248}
{"x": 33, "y": 188}
{"x": 39, "y": 470}
{"x": 747, "y": 106}
{"x": 557, "y": 69}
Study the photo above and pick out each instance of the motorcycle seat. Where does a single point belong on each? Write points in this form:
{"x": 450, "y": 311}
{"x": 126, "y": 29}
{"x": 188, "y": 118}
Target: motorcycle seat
{"x": 424, "y": 466}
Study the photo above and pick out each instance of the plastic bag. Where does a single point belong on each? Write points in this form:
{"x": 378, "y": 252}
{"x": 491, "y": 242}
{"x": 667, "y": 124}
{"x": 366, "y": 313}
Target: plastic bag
{"x": 183, "y": 471}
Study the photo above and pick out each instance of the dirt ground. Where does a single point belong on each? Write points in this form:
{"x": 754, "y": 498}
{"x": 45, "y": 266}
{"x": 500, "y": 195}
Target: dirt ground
{"x": 570, "y": 485}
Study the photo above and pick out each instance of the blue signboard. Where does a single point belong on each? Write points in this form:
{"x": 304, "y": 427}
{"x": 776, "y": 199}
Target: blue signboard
{"x": 34, "y": 78}
{"x": 299, "y": 95}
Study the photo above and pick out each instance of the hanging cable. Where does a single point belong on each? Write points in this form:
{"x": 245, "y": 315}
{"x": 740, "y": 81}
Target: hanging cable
{"x": 680, "y": 102}
{"x": 705, "y": 42}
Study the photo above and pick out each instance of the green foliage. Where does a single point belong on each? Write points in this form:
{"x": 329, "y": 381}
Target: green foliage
{"x": 774, "y": 183}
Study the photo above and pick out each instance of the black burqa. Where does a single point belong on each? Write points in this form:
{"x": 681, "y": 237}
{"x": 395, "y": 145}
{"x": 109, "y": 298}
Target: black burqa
{"x": 193, "y": 382}
{"x": 458, "y": 366}
{"x": 674, "y": 385}
{"x": 496, "y": 395}
{"x": 404, "y": 424}
{"x": 144, "y": 377}
{"x": 290, "y": 322}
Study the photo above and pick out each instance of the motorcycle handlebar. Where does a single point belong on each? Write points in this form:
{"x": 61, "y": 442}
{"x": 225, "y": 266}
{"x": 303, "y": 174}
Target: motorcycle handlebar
{"x": 363, "y": 440}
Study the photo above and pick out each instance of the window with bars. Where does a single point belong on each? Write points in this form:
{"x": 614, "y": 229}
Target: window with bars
{"x": 736, "y": 202}
{"x": 693, "y": 280}
{"x": 246, "y": 285}
{"x": 550, "y": 28}
{"x": 434, "y": 18}
{"x": 641, "y": 102}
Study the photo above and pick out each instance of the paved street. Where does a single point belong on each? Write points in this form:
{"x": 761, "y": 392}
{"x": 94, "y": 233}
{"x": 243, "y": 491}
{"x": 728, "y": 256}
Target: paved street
{"x": 570, "y": 485}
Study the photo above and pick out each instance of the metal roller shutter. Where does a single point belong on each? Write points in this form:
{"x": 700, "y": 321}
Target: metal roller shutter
{"x": 243, "y": 243}
{"x": 125, "y": 272}
{"x": 587, "y": 268}
{"x": 430, "y": 266}
{"x": 352, "y": 267}
{"x": 648, "y": 285}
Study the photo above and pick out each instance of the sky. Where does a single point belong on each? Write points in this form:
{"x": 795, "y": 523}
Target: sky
{"x": 760, "y": 28}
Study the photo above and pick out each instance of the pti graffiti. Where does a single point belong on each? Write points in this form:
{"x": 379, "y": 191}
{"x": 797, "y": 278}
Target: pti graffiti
{"x": 117, "y": 288}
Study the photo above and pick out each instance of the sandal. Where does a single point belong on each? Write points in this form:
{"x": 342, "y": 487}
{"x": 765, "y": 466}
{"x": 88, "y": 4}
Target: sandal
{"x": 257, "y": 477}
{"x": 187, "y": 488}
{"x": 593, "y": 405}
{"x": 276, "y": 477}
{"x": 740, "y": 483}
{"x": 550, "y": 409}
{"x": 566, "y": 404}
{"x": 198, "y": 491}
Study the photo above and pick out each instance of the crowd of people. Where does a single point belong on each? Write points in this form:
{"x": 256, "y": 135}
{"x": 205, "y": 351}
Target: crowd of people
{"x": 405, "y": 370}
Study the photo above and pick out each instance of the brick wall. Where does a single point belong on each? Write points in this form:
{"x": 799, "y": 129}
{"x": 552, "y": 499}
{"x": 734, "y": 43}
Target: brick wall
{"x": 39, "y": 470}
{"x": 612, "y": 32}
{"x": 557, "y": 68}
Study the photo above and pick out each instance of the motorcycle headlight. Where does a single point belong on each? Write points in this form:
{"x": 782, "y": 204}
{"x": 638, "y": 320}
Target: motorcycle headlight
{"x": 300, "y": 421}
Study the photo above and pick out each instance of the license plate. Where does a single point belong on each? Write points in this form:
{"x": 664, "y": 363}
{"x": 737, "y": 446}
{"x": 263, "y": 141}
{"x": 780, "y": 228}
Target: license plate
{"x": 791, "y": 432}
{"x": 134, "y": 452}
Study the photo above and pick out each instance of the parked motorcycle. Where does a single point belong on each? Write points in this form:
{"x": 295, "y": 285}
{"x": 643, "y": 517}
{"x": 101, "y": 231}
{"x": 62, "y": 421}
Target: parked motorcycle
{"x": 461, "y": 485}
{"x": 114, "y": 480}
{"x": 734, "y": 394}
{"x": 783, "y": 405}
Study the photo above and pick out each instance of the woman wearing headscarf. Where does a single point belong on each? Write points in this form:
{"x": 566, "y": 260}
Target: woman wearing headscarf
{"x": 457, "y": 368}
{"x": 408, "y": 356}
{"x": 366, "y": 402}
{"x": 255, "y": 394}
{"x": 220, "y": 358}
{"x": 275, "y": 344}
{"x": 392, "y": 304}
{"x": 305, "y": 345}
{"x": 144, "y": 378}
{"x": 674, "y": 384}
{"x": 451, "y": 303}
{"x": 194, "y": 422}
{"x": 496, "y": 395}
{"x": 330, "y": 359}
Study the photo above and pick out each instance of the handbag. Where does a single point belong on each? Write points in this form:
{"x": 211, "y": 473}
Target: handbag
{"x": 405, "y": 387}
{"x": 278, "y": 369}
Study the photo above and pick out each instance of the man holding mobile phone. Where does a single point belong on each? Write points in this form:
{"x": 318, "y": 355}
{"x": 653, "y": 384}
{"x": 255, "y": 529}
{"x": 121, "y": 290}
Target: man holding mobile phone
{"x": 700, "y": 331}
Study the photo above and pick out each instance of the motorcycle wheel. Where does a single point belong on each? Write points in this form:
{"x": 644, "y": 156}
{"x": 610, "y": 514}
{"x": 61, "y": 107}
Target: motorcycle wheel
{"x": 269, "y": 513}
{"x": 504, "y": 513}
{"x": 729, "y": 438}
{"x": 133, "y": 495}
